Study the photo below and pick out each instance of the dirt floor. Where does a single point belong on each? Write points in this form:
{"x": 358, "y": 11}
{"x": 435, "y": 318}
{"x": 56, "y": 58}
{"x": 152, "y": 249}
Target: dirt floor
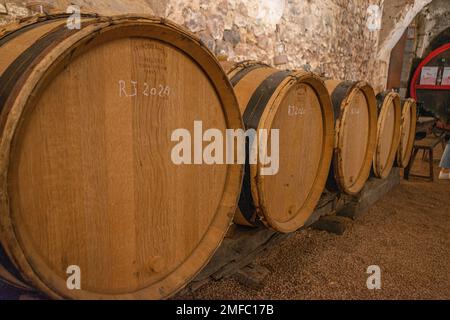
{"x": 407, "y": 234}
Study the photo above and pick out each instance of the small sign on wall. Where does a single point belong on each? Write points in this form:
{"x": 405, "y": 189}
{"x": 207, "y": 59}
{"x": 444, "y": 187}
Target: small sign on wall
{"x": 429, "y": 76}
{"x": 446, "y": 77}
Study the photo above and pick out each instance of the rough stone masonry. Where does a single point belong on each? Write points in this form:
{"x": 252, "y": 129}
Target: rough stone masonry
{"x": 330, "y": 37}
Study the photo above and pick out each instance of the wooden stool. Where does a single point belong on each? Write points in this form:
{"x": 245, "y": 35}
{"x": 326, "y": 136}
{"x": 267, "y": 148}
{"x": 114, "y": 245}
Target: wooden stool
{"x": 427, "y": 145}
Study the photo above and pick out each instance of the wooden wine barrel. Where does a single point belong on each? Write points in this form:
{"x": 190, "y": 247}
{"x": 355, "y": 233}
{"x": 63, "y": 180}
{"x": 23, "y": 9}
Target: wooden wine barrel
{"x": 389, "y": 122}
{"x": 298, "y": 105}
{"x": 408, "y": 132}
{"x": 355, "y": 110}
{"x": 88, "y": 179}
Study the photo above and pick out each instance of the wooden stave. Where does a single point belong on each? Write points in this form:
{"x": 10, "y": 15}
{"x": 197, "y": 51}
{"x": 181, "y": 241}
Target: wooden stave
{"x": 235, "y": 74}
{"x": 249, "y": 202}
{"x": 9, "y": 270}
{"x": 15, "y": 266}
{"x": 383, "y": 99}
{"x": 25, "y": 22}
{"x": 246, "y": 68}
{"x": 318, "y": 85}
{"x": 234, "y": 177}
{"x": 248, "y": 194}
{"x": 408, "y": 105}
{"x": 342, "y": 93}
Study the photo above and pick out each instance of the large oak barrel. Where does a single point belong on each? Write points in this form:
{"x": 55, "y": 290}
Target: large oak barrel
{"x": 355, "y": 110}
{"x": 298, "y": 105}
{"x": 408, "y": 132}
{"x": 88, "y": 184}
{"x": 389, "y": 122}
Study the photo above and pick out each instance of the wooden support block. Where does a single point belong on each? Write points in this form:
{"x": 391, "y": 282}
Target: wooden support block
{"x": 327, "y": 205}
{"x": 239, "y": 249}
{"x": 252, "y": 276}
{"x": 374, "y": 190}
{"x": 332, "y": 224}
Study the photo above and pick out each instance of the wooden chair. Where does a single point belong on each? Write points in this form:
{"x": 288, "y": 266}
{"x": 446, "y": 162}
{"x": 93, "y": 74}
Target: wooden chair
{"x": 427, "y": 145}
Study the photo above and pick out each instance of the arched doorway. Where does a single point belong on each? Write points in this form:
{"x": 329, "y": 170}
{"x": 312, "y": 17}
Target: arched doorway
{"x": 430, "y": 84}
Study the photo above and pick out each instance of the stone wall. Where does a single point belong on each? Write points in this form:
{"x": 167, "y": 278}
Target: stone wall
{"x": 428, "y": 30}
{"x": 330, "y": 37}
{"x": 107, "y": 7}
{"x": 431, "y": 22}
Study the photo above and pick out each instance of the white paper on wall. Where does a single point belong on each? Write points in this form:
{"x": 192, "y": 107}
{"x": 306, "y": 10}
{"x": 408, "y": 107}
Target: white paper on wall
{"x": 429, "y": 75}
{"x": 446, "y": 77}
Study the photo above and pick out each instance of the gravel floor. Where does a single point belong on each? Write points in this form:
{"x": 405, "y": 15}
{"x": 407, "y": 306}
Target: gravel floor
{"x": 407, "y": 234}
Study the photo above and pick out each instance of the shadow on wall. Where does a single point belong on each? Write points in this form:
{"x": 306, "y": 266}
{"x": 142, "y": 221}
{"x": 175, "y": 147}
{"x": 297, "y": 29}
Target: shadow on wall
{"x": 438, "y": 41}
{"x": 106, "y": 7}
{"x": 433, "y": 21}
